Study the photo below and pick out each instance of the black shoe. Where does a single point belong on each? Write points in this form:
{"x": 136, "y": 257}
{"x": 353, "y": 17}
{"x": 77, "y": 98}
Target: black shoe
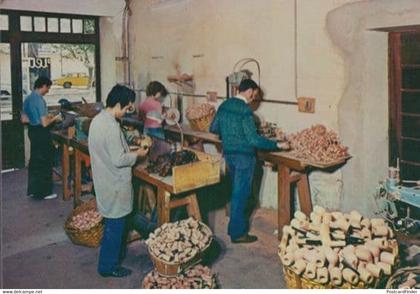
{"x": 118, "y": 273}
{"x": 245, "y": 239}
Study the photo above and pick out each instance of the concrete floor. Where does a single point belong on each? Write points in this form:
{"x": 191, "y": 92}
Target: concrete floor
{"x": 36, "y": 252}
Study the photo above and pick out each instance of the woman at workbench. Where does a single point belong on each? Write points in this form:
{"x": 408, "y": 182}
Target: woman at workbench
{"x": 151, "y": 110}
{"x": 111, "y": 162}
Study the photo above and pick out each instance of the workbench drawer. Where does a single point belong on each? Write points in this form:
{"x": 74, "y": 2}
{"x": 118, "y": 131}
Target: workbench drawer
{"x": 198, "y": 174}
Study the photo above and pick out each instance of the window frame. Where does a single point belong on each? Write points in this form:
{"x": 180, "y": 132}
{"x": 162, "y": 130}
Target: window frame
{"x": 396, "y": 90}
{"x": 15, "y": 37}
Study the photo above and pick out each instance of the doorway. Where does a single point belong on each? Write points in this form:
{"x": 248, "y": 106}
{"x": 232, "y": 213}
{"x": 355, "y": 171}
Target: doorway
{"x": 62, "y": 47}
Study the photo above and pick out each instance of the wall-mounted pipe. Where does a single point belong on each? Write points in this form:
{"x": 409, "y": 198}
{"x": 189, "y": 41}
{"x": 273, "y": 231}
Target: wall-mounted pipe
{"x": 223, "y": 97}
{"x": 126, "y": 43}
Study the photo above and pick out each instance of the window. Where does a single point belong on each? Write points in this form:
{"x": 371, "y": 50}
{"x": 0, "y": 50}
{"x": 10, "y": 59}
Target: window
{"x": 65, "y": 25}
{"x": 26, "y": 23}
{"x": 4, "y": 22}
{"x": 71, "y": 67}
{"x": 405, "y": 103}
{"x": 89, "y": 26}
{"x": 39, "y": 24}
{"x": 77, "y": 26}
{"x": 52, "y": 25}
{"x": 5, "y": 83}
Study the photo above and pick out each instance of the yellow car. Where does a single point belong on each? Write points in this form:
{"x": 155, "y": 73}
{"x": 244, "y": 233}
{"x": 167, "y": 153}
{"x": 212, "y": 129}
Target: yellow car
{"x": 73, "y": 79}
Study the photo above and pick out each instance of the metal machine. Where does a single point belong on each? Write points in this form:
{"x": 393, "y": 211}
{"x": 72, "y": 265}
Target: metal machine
{"x": 398, "y": 204}
{"x": 172, "y": 117}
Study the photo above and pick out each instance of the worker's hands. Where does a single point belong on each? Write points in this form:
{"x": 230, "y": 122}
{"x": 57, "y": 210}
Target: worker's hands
{"x": 54, "y": 118}
{"x": 24, "y": 118}
{"x": 283, "y": 145}
{"x": 141, "y": 152}
{"x": 58, "y": 118}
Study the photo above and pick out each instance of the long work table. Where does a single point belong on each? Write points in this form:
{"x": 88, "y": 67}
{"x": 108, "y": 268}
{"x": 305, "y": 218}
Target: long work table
{"x": 72, "y": 151}
{"x": 167, "y": 195}
{"x": 290, "y": 170}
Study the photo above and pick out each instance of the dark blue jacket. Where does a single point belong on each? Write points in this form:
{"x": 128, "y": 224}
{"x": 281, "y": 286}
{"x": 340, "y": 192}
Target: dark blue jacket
{"x": 234, "y": 123}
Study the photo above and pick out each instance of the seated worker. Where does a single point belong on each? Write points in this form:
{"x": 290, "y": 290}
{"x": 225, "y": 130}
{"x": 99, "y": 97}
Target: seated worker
{"x": 151, "y": 110}
{"x": 235, "y": 125}
{"x": 111, "y": 162}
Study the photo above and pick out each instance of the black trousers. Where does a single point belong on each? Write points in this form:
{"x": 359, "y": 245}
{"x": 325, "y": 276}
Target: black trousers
{"x": 40, "y": 162}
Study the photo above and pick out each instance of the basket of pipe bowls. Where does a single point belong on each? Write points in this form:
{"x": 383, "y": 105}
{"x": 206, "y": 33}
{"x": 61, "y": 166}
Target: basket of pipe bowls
{"x": 200, "y": 116}
{"x": 405, "y": 278}
{"x": 337, "y": 250}
{"x": 84, "y": 226}
{"x": 196, "y": 277}
{"x": 175, "y": 247}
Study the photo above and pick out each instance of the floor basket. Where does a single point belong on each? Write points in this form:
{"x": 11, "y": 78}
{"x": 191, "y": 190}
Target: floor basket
{"x": 91, "y": 237}
{"x": 172, "y": 269}
{"x": 295, "y": 281}
{"x": 398, "y": 278}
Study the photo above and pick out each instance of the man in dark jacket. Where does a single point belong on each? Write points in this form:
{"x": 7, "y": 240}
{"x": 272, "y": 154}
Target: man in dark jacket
{"x": 235, "y": 125}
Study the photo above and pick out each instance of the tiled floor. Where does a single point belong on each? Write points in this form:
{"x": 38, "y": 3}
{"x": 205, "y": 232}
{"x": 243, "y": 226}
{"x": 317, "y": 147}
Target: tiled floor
{"x": 37, "y": 253}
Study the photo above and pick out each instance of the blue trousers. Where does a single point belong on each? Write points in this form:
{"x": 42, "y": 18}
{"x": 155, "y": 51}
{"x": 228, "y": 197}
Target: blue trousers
{"x": 41, "y": 162}
{"x": 241, "y": 170}
{"x": 112, "y": 244}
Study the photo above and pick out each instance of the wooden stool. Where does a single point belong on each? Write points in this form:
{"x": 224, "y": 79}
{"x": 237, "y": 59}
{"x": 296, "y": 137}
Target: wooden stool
{"x": 165, "y": 204}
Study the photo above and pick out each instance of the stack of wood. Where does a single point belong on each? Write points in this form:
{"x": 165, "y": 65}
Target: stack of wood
{"x": 317, "y": 144}
{"x": 198, "y": 277}
{"x": 336, "y": 247}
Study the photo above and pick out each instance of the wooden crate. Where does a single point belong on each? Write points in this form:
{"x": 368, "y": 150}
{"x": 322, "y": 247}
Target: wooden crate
{"x": 198, "y": 174}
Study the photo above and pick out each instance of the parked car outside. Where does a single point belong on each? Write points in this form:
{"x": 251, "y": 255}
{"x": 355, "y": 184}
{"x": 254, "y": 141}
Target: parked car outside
{"x": 72, "y": 79}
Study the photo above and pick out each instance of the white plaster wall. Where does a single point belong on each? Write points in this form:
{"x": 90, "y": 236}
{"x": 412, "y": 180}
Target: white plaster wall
{"x": 90, "y": 7}
{"x": 110, "y": 41}
{"x": 169, "y": 33}
{"x": 363, "y": 107}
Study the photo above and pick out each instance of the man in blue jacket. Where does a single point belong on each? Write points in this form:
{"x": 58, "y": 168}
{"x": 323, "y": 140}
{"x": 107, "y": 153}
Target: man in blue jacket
{"x": 235, "y": 125}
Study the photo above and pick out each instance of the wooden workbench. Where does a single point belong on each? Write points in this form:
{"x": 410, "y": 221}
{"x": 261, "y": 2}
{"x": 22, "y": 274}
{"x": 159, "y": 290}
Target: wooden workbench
{"x": 81, "y": 154}
{"x": 165, "y": 191}
{"x": 164, "y": 186}
{"x": 290, "y": 170}
{"x": 62, "y": 138}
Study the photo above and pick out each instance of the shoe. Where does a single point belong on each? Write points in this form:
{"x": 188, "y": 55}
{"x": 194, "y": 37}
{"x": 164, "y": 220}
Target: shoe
{"x": 52, "y": 196}
{"x": 120, "y": 272}
{"x": 245, "y": 239}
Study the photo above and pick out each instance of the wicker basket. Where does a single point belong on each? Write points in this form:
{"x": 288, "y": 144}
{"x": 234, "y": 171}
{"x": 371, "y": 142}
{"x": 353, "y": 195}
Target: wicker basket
{"x": 90, "y": 238}
{"x": 172, "y": 269}
{"x": 294, "y": 281}
{"x": 160, "y": 282}
{"x": 202, "y": 124}
{"x": 395, "y": 281}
